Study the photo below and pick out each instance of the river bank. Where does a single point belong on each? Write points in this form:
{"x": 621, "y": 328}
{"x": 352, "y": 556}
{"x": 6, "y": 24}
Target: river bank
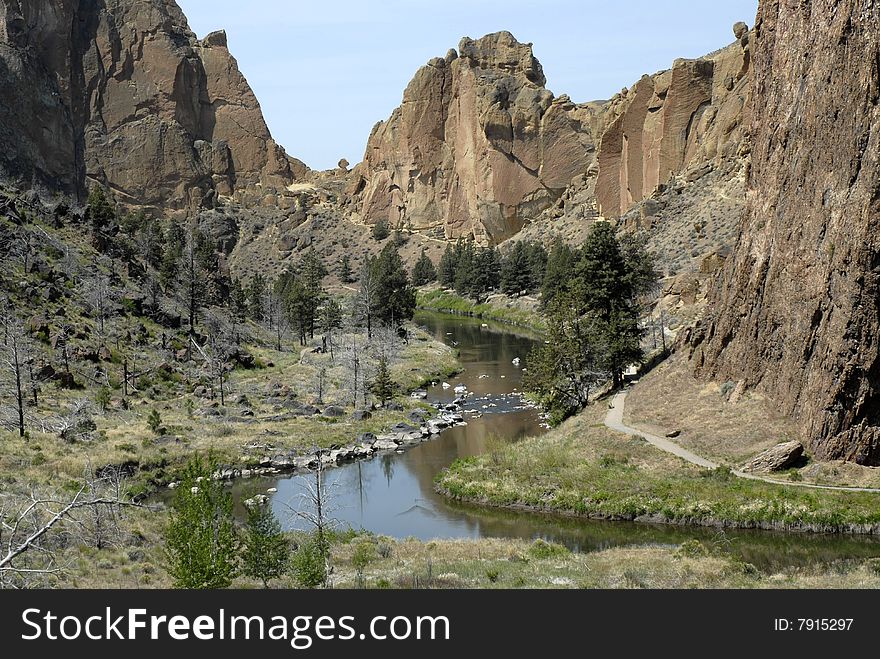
{"x": 520, "y": 312}
{"x": 585, "y": 470}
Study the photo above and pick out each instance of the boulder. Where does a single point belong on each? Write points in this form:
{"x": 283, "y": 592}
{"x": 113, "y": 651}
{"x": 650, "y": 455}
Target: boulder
{"x": 777, "y": 458}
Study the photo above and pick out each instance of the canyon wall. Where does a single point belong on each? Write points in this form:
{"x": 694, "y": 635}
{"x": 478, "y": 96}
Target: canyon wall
{"x": 123, "y": 93}
{"x": 796, "y": 312}
{"x": 689, "y": 114}
{"x": 477, "y": 147}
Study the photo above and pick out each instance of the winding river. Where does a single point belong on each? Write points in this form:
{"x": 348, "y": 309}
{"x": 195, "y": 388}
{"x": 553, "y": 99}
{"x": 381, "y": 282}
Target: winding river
{"x": 393, "y": 493}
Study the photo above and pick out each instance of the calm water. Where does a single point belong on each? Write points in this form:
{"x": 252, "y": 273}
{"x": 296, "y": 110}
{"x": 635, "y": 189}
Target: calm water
{"x": 393, "y": 494}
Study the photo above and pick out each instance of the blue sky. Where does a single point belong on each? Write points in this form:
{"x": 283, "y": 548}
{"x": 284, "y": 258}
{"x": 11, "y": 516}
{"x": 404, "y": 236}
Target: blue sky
{"x": 326, "y": 72}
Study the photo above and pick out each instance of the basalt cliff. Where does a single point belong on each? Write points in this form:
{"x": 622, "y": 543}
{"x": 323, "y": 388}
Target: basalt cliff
{"x": 478, "y": 145}
{"x": 796, "y": 312}
{"x": 121, "y": 92}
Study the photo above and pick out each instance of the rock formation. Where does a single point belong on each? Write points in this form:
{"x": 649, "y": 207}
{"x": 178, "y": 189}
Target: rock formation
{"x": 477, "y": 146}
{"x": 122, "y": 92}
{"x": 691, "y": 114}
{"x": 796, "y": 313}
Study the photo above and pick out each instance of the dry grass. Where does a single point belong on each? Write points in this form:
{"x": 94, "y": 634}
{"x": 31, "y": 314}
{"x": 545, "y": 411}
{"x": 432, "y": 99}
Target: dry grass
{"x": 669, "y": 398}
{"x": 124, "y": 435}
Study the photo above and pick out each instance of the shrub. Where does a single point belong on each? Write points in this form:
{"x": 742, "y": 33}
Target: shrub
{"x": 308, "y": 564}
{"x": 381, "y": 230}
{"x": 154, "y": 420}
{"x": 542, "y": 549}
{"x": 691, "y": 549}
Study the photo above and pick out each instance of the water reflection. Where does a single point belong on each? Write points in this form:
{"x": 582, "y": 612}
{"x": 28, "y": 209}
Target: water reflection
{"x": 393, "y": 494}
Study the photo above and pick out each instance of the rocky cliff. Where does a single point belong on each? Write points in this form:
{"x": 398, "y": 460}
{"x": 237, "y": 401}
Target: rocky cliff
{"x": 477, "y": 146}
{"x": 797, "y": 311}
{"x": 690, "y": 114}
{"x": 122, "y": 92}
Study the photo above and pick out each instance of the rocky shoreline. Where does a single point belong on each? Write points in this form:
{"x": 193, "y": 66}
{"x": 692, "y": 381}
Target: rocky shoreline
{"x": 400, "y": 437}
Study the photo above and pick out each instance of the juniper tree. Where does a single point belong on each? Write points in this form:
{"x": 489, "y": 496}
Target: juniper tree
{"x": 266, "y": 552}
{"x": 423, "y": 270}
{"x": 201, "y": 542}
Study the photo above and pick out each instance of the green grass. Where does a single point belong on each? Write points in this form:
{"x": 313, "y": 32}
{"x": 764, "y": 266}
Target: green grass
{"x": 443, "y": 301}
{"x": 582, "y": 468}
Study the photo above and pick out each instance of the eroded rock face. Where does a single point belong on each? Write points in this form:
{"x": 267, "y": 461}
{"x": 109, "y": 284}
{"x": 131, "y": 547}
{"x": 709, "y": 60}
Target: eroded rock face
{"x": 797, "y": 312}
{"x": 477, "y": 146}
{"x": 691, "y": 114}
{"x": 124, "y": 93}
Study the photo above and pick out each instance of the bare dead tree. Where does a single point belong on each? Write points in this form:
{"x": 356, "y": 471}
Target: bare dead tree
{"x": 14, "y": 357}
{"x": 217, "y": 350}
{"x": 316, "y": 508}
{"x": 386, "y": 343}
{"x": 353, "y": 359}
{"x": 32, "y": 525}
{"x": 100, "y": 297}
{"x": 366, "y": 301}
{"x": 277, "y": 319}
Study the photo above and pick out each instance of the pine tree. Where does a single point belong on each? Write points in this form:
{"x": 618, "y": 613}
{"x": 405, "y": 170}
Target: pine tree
{"x": 395, "y": 297}
{"x": 448, "y": 266}
{"x": 423, "y": 271}
{"x": 345, "y": 275}
{"x": 200, "y": 540}
{"x": 312, "y": 269}
{"x": 101, "y": 217}
{"x": 602, "y": 272}
{"x": 559, "y": 272}
{"x": 175, "y": 240}
{"x": 266, "y": 554}
{"x": 238, "y": 299}
{"x": 256, "y": 295}
{"x": 537, "y": 259}
{"x": 515, "y": 271}
{"x": 382, "y": 386}
{"x": 466, "y": 268}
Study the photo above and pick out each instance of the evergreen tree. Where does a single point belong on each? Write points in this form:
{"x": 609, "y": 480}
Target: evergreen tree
{"x": 175, "y": 241}
{"x": 515, "y": 271}
{"x": 448, "y": 266}
{"x": 537, "y": 259}
{"x": 195, "y": 280}
{"x": 312, "y": 269}
{"x": 381, "y": 231}
{"x": 423, "y": 271}
{"x": 382, "y": 386}
{"x": 256, "y": 295}
{"x": 559, "y": 273}
{"x": 564, "y": 370}
{"x": 200, "y": 540}
{"x": 101, "y": 217}
{"x": 486, "y": 272}
{"x": 395, "y": 297}
{"x": 299, "y": 303}
{"x": 608, "y": 293}
{"x": 238, "y": 299}
{"x": 266, "y": 554}
{"x": 345, "y": 275}
{"x": 331, "y": 319}
{"x": 466, "y": 268}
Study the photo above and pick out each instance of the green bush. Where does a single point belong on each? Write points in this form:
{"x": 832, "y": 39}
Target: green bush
{"x": 381, "y": 230}
{"x": 309, "y": 564}
{"x": 541, "y": 549}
